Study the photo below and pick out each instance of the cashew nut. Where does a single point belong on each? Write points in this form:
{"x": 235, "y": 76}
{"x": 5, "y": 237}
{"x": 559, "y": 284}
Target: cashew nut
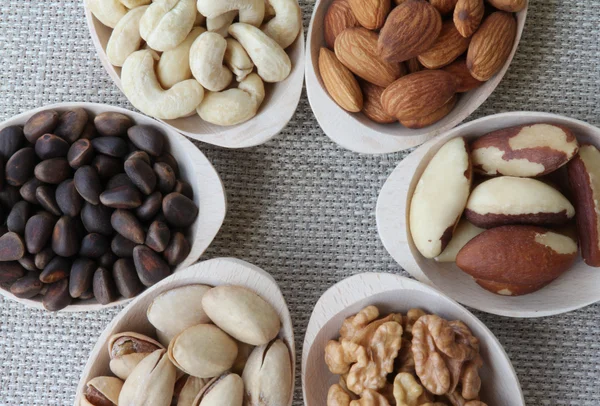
{"x": 220, "y": 24}
{"x": 272, "y": 63}
{"x": 269, "y": 11}
{"x": 251, "y": 11}
{"x": 233, "y": 106}
{"x": 131, "y": 4}
{"x": 141, "y": 87}
{"x": 166, "y": 23}
{"x": 238, "y": 60}
{"x": 206, "y": 62}
{"x": 200, "y": 20}
{"x": 285, "y": 26}
{"x": 108, "y": 12}
{"x": 174, "y": 65}
{"x": 125, "y": 38}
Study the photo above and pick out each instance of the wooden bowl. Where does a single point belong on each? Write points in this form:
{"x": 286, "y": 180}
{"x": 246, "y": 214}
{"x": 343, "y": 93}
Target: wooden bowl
{"x": 354, "y": 131}
{"x": 214, "y": 272}
{"x": 194, "y": 167}
{"x": 575, "y": 289}
{"x": 276, "y": 111}
{"x": 394, "y": 293}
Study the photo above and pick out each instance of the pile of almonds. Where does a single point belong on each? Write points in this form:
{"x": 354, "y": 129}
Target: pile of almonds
{"x": 91, "y": 207}
{"x": 517, "y": 229}
{"x": 411, "y": 58}
{"x": 216, "y": 347}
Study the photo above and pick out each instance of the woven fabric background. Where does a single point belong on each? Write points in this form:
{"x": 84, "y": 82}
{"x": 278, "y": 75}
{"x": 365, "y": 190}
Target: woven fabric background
{"x": 300, "y": 207}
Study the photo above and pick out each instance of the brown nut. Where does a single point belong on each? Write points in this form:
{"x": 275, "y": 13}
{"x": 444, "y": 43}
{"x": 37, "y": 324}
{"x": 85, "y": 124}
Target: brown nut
{"x": 45, "y": 196}
{"x": 118, "y": 180}
{"x": 68, "y": 199}
{"x": 53, "y": 170}
{"x": 170, "y": 160}
{"x": 165, "y": 177}
{"x": 339, "y": 16}
{"x": 150, "y": 267}
{"x": 526, "y": 150}
{"x": 10, "y": 272}
{"x": 464, "y": 81}
{"x": 43, "y": 258}
{"x": 104, "y": 287}
{"x": 27, "y": 287}
{"x": 112, "y": 124}
{"x": 126, "y": 224}
{"x": 508, "y": 200}
{"x": 96, "y": 219}
{"x": 339, "y": 82}
{"x": 431, "y": 228}
{"x": 372, "y": 107}
{"x": 39, "y": 124}
{"x": 57, "y": 296}
{"x": 147, "y": 138}
{"x": 71, "y": 124}
{"x": 80, "y": 153}
{"x": 150, "y": 206}
{"x": 107, "y": 166}
{"x": 525, "y": 259}
{"x": 122, "y": 197}
{"x": 177, "y": 250}
{"x": 449, "y": 45}
{"x": 65, "y": 240}
{"x": 111, "y": 146}
{"x": 468, "y": 15}
{"x": 38, "y": 231}
{"x": 444, "y": 6}
{"x": 184, "y": 188}
{"x": 12, "y": 247}
{"x": 463, "y": 233}
{"x": 27, "y": 192}
{"x": 126, "y": 278}
{"x": 88, "y": 184}
{"x": 20, "y": 167}
{"x": 122, "y": 247}
{"x": 179, "y": 210}
{"x": 158, "y": 236}
{"x": 141, "y": 174}
{"x": 584, "y": 175}
{"x": 18, "y": 216}
{"x": 94, "y": 245}
{"x": 28, "y": 262}
{"x": 511, "y": 6}
{"x": 126, "y": 350}
{"x": 11, "y": 140}
{"x": 57, "y": 269}
{"x": 51, "y": 146}
{"x": 81, "y": 277}
{"x": 432, "y": 118}
{"x": 370, "y": 14}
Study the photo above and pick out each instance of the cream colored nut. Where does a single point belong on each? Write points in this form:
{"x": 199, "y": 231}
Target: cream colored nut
{"x": 101, "y": 390}
{"x": 224, "y": 390}
{"x": 200, "y": 20}
{"x": 464, "y": 233}
{"x": 125, "y": 38}
{"x": 141, "y": 87}
{"x": 173, "y": 311}
{"x": 406, "y": 390}
{"x": 206, "y": 62}
{"x": 151, "y": 382}
{"x": 204, "y": 351}
{"x": 269, "y": 11}
{"x": 508, "y": 200}
{"x": 370, "y": 398}
{"x": 337, "y": 396}
{"x": 233, "y": 106}
{"x": 271, "y": 61}
{"x": 237, "y": 59}
{"x": 440, "y": 198}
{"x": 286, "y": 24}
{"x": 220, "y": 24}
{"x": 131, "y": 4}
{"x": 108, "y": 12}
{"x": 268, "y": 375}
{"x": 242, "y": 314}
{"x": 167, "y": 23}
{"x": 186, "y": 390}
{"x": 126, "y": 350}
{"x": 251, "y": 11}
{"x": 174, "y": 65}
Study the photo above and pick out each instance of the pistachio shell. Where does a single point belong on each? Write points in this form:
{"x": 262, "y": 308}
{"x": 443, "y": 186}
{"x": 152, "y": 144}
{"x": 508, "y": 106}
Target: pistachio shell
{"x": 225, "y": 390}
{"x": 189, "y": 389}
{"x": 130, "y": 352}
{"x": 268, "y": 375}
{"x": 204, "y": 351}
{"x": 151, "y": 383}
{"x": 244, "y": 351}
{"x": 173, "y": 311}
{"x": 101, "y": 387}
{"x": 242, "y": 314}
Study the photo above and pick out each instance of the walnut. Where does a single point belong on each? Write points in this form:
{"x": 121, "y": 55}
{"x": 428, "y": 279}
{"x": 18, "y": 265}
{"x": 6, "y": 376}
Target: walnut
{"x": 405, "y": 362}
{"x": 370, "y": 398}
{"x": 470, "y": 380}
{"x": 411, "y": 318}
{"x": 407, "y": 390}
{"x": 339, "y": 356}
{"x": 383, "y": 349}
{"x": 457, "y": 400}
{"x": 441, "y": 351}
{"x": 337, "y": 396}
{"x": 361, "y": 327}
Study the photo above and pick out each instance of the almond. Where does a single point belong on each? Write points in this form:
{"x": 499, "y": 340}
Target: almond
{"x": 410, "y": 29}
{"x": 525, "y": 258}
{"x": 468, "y": 15}
{"x": 432, "y": 118}
{"x": 418, "y": 94}
{"x": 491, "y": 45}
{"x": 340, "y": 83}
{"x": 464, "y": 80}
{"x": 338, "y": 17}
{"x": 371, "y": 14}
{"x": 512, "y": 6}
{"x": 372, "y": 107}
{"x": 584, "y": 178}
{"x": 413, "y": 65}
{"x": 356, "y": 48}
{"x": 448, "y": 46}
{"x": 443, "y": 6}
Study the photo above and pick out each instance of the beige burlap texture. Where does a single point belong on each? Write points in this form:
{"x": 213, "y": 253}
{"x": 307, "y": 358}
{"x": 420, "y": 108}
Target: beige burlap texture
{"x": 300, "y": 207}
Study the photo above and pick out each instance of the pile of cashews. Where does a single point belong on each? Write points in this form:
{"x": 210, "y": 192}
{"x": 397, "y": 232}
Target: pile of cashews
{"x": 182, "y": 56}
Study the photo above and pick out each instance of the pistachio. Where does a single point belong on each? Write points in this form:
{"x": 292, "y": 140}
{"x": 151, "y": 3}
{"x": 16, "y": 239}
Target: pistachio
{"x": 204, "y": 351}
{"x": 102, "y": 390}
{"x": 242, "y": 314}
{"x": 224, "y": 390}
{"x": 151, "y": 382}
{"x": 186, "y": 390}
{"x": 244, "y": 351}
{"x": 268, "y": 375}
{"x": 126, "y": 350}
{"x": 177, "y": 309}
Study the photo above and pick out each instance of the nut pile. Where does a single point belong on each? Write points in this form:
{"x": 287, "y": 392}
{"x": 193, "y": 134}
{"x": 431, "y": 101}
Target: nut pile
{"x": 406, "y": 60}
{"x": 416, "y": 359}
{"x": 513, "y": 232}
{"x": 177, "y": 57}
{"x": 237, "y": 360}
{"x": 91, "y": 207}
